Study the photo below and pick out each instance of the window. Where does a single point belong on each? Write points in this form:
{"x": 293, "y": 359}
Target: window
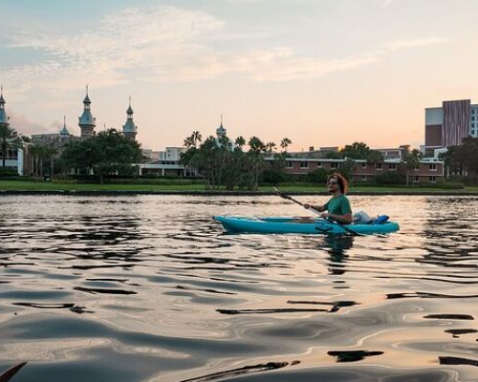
{"x": 289, "y": 164}
{"x": 319, "y": 164}
{"x": 417, "y": 167}
{"x": 364, "y": 165}
{"x": 378, "y": 166}
{"x": 472, "y": 118}
{"x": 364, "y": 178}
{"x": 432, "y": 179}
{"x": 392, "y": 166}
{"x": 304, "y": 164}
{"x": 432, "y": 167}
{"x": 416, "y": 179}
{"x": 333, "y": 165}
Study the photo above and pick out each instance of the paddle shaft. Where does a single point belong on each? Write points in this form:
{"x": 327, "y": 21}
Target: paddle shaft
{"x": 285, "y": 196}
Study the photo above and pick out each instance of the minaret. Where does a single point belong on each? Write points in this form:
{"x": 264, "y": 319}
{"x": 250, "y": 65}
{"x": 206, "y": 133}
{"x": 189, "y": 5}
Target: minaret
{"x": 129, "y": 128}
{"x": 87, "y": 122}
{"x": 221, "y": 131}
{"x": 64, "y": 133}
{"x": 3, "y": 115}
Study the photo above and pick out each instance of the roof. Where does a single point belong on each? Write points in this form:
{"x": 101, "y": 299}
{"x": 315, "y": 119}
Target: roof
{"x": 129, "y": 127}
{"x": 221, "y": 130}
{"x": 3, "y": 117}
{"x": 87, "y": 119}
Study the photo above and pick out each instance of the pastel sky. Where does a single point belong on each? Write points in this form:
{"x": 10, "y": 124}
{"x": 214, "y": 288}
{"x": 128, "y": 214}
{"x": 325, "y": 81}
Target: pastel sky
{"x": 320, "y": 72}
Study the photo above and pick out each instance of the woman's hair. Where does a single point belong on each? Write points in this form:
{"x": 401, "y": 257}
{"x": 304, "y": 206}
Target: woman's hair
{"x": 340, "y": 180}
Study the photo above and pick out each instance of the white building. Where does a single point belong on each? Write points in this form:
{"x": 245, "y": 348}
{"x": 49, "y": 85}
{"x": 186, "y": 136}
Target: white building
{"x": 14, "y": 157}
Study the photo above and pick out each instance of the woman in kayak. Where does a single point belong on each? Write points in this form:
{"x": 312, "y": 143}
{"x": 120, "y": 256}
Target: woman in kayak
{"x": 338, "y": 207}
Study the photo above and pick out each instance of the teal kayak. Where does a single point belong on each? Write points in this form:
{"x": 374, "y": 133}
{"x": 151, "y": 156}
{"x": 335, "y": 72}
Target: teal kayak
{"x": 237, "y": 224}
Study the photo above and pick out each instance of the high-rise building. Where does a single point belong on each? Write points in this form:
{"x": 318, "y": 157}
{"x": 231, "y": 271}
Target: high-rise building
{"x": 87, "y": 122}
{"x": 447, "y": 125}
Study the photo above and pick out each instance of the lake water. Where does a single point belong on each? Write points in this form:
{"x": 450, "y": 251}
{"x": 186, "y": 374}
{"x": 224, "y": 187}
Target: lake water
{"x": 148, "y": 288}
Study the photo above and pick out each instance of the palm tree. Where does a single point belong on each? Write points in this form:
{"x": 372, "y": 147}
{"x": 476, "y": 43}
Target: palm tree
{"x": 49, "y": 153}
{"x": 285, "y": 143}
{"x": 240, "y": 141}
{"x": 270, "y": 147}
{"x": 196, "y": 138}
{"x": 257, "y": 147}
{"x": 412, "y": 160}
{"x": 8, "y": 140}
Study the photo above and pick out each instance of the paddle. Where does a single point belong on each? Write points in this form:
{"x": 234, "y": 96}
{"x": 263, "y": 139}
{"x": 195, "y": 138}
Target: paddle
{"x": 7, "y": 375}
{"x": 288, "y": 197}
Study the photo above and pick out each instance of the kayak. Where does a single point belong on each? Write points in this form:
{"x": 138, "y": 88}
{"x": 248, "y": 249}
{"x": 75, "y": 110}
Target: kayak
{"x": 238, "y": 224}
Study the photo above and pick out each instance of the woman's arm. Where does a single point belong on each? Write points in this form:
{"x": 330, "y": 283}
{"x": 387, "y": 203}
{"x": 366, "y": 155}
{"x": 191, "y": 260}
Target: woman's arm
{"x": 317, "y": 208}
{"x": 342, "y": 219}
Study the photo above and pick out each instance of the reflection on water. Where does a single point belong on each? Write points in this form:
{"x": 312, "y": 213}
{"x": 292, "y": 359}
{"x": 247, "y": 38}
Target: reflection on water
{"x": 148, "y": 288}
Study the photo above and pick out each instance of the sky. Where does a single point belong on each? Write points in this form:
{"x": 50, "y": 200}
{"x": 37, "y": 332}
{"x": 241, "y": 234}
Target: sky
{"x": 319, "y": 72}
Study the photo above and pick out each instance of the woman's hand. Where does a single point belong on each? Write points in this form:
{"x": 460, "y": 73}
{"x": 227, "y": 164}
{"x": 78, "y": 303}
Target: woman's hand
{"x": 324, "y": 215}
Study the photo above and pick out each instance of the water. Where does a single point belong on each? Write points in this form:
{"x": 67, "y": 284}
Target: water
{"x": 148, "y": 288}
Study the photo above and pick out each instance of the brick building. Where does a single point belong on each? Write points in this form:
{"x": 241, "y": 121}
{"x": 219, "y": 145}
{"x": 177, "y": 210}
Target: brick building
{"x": 427, "y": 171}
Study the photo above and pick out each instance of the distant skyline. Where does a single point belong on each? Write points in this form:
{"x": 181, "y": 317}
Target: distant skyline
{"x": 320, "y": 72}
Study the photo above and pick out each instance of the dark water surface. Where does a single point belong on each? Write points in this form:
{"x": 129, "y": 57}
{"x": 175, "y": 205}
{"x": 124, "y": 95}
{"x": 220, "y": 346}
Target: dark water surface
{"x": 148, "y": 288}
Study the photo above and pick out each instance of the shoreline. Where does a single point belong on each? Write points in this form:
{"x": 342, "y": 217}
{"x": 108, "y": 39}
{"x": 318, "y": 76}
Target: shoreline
{"x": 230, "y": 193}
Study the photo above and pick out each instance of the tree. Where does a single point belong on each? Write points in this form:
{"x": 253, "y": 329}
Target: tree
{"x": 8, "y": 140}
{"x": 412, "y": 161}
{"x": 256, "y": 148}
{"x": 108, "y": 153}
{"x": 333, "y": 155}
{"x": 374, "y": 156}
{"x": 468, "y": 153}
{"x": 357, "y": 150}
{"x": 347, "y": 167}
{"x": 284, "y": 143}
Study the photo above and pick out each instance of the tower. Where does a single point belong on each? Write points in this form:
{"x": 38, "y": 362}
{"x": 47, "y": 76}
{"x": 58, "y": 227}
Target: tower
{"x": 64, "y": 133}
{"x": 129, "y": 128}
{"x": 3, "y": 115}
{"x": 221, "y": 131}
{"x": 87, "y": 122}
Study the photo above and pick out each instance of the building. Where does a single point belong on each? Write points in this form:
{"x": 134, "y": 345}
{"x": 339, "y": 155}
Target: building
{"x": 14, "y": 156}
{"x": 55, "y": 140}
{"x": 426, "y": 172}
{"x": 165, "y": 163}
{"x": 168, "y": 162}
{"x": 87, "y": 122}
{"x": 130, "y": 130}
{"x": 395, "y": 153}
{"x": 447, "y": 125}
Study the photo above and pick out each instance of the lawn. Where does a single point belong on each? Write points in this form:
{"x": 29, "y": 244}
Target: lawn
{"x": 15, "y": 185}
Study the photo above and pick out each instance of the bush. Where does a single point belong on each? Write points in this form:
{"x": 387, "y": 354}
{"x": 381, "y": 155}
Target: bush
{"x": 445, "y": 185}
{"x": 7, "y": 171}
{"x": 273, "y": 176}
{"x": 319, "y": 175}
{"x": 390, "y": 178}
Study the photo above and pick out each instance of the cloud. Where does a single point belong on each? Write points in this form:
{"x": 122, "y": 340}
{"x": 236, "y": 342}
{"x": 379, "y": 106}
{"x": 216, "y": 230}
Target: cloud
{"x": 166, "y": 43}
{"x": 386, "y": 3}
{"x": 26, "y": 127}
{"x": 405, "y": 44}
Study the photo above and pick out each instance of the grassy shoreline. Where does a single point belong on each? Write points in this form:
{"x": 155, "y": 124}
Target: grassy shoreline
{"x": 18, "y": 187}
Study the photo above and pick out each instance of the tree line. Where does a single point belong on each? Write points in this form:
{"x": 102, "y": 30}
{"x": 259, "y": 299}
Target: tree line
{"x": 223, "y": 162}
{"x": 462, "y": 160}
